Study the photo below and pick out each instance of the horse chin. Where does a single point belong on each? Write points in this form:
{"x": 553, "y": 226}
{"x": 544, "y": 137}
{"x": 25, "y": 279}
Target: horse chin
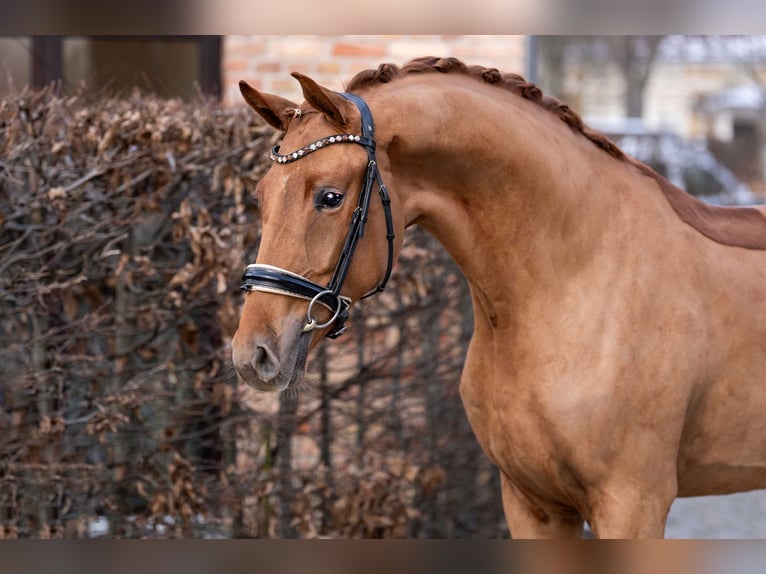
{"x": 293, "y": 367}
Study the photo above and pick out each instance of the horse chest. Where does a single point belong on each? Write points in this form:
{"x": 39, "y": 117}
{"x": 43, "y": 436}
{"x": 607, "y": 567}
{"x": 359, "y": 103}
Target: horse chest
{"x": 524, "y": 436}
{"x": 511, "y": 430}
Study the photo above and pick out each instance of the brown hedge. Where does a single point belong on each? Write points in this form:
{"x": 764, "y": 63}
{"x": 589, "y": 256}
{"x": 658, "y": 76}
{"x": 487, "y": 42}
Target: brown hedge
{"x": 124, "y": 227}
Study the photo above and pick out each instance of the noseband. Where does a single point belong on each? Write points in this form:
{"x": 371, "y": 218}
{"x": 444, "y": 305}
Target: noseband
{"x": 270, "y": 279}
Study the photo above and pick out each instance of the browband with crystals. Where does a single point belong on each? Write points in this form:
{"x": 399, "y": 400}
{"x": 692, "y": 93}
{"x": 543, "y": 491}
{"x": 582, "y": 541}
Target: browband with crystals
{"x": 312, "y": 147}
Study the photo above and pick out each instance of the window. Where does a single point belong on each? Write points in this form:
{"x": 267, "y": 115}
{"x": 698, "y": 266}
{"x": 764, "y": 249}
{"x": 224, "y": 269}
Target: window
{"x": 699, "y": 181}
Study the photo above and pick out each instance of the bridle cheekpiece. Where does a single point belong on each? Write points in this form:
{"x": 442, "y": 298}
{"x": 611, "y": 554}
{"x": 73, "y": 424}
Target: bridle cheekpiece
{"x": 271, "y": 279}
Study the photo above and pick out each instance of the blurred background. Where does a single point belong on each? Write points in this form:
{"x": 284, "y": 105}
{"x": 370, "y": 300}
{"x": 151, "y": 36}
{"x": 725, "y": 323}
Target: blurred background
{"x": 126, "y": 219}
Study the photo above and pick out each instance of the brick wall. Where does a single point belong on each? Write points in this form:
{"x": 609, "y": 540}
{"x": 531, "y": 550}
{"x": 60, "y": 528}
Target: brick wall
{"x": 266, "y": 61}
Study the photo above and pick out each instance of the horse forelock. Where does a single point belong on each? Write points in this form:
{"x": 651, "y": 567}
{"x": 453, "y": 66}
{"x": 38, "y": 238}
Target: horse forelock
{"x": 742, "y": 227}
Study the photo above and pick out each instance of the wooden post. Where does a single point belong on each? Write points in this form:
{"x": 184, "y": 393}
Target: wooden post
{"x": 47, "y": 60}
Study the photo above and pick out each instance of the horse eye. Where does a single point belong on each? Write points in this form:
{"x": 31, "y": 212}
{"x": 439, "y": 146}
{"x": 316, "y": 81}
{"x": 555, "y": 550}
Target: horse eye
{"x": 328, "y": 199}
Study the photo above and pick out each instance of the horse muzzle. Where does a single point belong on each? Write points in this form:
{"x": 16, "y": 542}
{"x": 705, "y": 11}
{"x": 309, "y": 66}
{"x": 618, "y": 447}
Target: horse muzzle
{"x": 272, "y": 364}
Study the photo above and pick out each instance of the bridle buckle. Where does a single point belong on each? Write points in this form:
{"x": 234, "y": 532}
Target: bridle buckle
{"x": 312, "y": 324}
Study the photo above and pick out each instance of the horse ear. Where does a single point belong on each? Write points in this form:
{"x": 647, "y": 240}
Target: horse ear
{"x": 275, "y": 110}
{"x": 334, "y": 106}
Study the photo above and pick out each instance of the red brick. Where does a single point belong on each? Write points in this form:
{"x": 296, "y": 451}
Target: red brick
{"x": 306, "y": 68}
{"x": 254, "y": 48}
{"x": 328, "y": 68}
{"x": 234, "y": 65}
{"x": 342, "y": 49}
{"x": 282, "y": 87}
{"x": 268, "y": 67}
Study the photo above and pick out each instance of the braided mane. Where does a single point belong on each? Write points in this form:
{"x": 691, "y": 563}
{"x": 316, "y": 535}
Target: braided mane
{"x": 736, "y": 226}
{"x": 511, "y": 82}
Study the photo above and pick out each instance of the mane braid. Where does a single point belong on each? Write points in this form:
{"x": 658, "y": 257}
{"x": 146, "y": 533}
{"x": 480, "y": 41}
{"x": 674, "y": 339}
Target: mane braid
{"x": 735, "y": 226}
{"x": 509, "y": 81}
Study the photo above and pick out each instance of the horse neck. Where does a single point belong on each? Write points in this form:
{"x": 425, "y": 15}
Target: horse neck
{"x": 512, "y": 193}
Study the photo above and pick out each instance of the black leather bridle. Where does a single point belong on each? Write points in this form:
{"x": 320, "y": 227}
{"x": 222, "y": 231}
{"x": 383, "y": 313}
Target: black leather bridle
{"x": 271, "y": 279}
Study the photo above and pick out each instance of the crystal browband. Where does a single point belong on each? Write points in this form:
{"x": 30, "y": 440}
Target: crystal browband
{"x": 312, "y": 147}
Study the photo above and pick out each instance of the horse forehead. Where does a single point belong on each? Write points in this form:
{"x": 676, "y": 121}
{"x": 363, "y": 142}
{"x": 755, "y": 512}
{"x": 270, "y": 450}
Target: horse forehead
{"x": 311, "y": 126}
{"x": 280, "y": 184}
{"x": 333, "y": 163}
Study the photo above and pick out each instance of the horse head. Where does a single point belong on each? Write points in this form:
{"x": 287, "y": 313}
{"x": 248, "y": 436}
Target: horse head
{"x": 323, "y": 246}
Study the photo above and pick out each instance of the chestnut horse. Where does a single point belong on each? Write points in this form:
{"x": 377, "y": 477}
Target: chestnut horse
{"x": 619, "y": 351}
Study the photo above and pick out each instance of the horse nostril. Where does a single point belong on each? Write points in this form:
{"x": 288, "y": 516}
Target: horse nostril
{"x": 265, "y": 363}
